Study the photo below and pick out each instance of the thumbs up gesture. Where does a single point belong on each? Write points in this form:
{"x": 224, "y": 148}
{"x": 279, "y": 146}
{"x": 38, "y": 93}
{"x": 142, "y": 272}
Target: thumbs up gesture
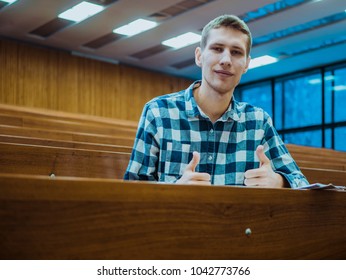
{"x": 190, "y": 176}
{"x": 264, "y": 175}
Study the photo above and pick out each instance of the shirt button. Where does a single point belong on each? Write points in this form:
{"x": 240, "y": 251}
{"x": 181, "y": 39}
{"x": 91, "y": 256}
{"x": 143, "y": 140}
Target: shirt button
{"x": 210, "y": 157}
{"x": 211, "y": 131}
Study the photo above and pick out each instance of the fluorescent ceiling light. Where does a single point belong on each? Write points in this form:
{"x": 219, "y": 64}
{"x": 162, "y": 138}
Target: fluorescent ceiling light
{"x": 318, "y": 80}
{"x": 314, "y": 81}
{"x": 261, "y": 61}
{"x": 183, "y": 40}
{"x": 8, "y": 1}
{"x": 81, "y": 11}
{"x": 329, "y": 78}
{"x": 135, "y": 27}
{"x": 339, "y": 88}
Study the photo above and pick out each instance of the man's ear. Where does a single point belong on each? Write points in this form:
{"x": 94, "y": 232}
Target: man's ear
{"x": 198, "y": 54}
{"x": 247, "y": 64}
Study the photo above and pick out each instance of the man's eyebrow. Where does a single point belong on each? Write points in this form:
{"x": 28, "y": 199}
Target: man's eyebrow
{"x": 238, "y": 47}
{"x": 235, "y": 46}
{"x": 217, "y": 44}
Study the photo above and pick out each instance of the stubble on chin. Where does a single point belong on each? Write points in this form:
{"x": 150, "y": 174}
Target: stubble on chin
{"x": 219, "y": 87}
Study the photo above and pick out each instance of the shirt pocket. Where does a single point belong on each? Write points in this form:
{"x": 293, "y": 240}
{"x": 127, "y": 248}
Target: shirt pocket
{"x": 175, "y": 160}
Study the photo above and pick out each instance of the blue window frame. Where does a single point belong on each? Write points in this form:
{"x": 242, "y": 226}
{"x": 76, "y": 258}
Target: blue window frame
{"x": 259, "y": 95}
{"x": 308, "y": 108}
{"x": 303, "y": 101}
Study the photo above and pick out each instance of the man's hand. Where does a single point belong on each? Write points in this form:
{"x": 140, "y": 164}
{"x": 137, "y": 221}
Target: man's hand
{"x": 191, "y": 177}
{"x": 264, "y": 175}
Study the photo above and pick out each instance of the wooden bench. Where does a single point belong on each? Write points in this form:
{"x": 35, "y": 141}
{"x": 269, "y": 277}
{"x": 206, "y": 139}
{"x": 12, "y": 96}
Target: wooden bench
{"x": 323, "y": 162}
{"x": 66, "y": 136}
{"x": 318, "y": 157}
{"x": 66, "y": 161}
{"x": 307, "y": 150}
{"x": 40, "y": 123}
{"x": 32, "y": 122}
{"x": 63, "y": 144}
{"x": 13, "y": 110}
{"x": 38, "y": 134}
{"x": 59, "y": 161}
{"x": 76, "y": 218}
{"x": 325, "y": 176}
{"x": 72, "y": 126}
{"x": 319, "y": 164}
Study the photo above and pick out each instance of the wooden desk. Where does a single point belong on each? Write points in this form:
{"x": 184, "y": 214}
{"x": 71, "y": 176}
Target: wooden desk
{"x": 75, "y": 218}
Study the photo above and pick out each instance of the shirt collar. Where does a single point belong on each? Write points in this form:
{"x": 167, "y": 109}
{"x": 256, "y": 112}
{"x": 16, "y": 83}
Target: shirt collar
{"x": 191, "y": 105}
{"x": 232, "y": 113}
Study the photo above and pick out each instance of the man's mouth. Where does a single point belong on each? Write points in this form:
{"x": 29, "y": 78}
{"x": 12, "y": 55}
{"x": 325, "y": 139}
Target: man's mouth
{"x": 223, "y": 72}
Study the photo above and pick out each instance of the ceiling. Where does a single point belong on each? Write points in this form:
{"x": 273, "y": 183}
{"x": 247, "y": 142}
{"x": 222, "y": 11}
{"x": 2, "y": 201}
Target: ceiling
{"x": 308, "y": 47}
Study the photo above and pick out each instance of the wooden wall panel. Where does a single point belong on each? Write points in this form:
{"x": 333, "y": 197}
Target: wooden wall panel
{"x": 39, "y": 77}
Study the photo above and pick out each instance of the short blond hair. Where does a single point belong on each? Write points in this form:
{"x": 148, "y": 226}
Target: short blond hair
{"x": 230, "y": 21}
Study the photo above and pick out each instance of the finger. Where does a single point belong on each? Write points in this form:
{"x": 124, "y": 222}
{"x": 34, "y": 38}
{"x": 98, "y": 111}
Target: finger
{"x": 255, "y": 173}
{"x": 261, "y": 155}
{"x": 190, "y": 177}
{"x": 199, "y": 176}
{"x": 203, "y": 183}
{"x": 194, "y": 162}
{"x": 256, "y": 182}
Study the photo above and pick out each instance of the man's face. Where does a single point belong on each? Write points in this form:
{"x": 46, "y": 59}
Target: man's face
{"x": 223, "y": 60}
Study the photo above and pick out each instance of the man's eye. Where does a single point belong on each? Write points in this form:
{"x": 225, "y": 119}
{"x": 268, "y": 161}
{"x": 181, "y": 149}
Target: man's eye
{"x": 217, "y": 49}
{"x": 236, "y": 53}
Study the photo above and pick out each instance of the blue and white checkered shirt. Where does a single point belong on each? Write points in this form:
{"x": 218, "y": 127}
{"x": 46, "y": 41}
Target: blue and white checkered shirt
{"x": 173, "y": 126}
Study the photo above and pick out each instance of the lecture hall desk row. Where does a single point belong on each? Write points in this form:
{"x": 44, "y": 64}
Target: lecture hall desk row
{"x": 84, "y": 218}
{"x": 44, "y": 142}
{"x": 61, "y": 197}
{"x": 65, "y": 161}
{"x": 56, "y": 125}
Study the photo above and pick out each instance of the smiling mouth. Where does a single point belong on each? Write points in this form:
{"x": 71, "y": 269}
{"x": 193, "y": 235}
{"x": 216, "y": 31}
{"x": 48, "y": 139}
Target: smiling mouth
{"x": 223, "y": 73}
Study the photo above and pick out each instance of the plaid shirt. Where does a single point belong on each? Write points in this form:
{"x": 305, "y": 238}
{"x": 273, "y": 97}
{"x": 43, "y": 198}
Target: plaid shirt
{"x": 173, "y": 126}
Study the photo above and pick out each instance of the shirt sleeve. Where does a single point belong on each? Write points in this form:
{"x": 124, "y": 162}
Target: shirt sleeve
{"x": 144, "y": 158}
{"x": 281, "y": 160}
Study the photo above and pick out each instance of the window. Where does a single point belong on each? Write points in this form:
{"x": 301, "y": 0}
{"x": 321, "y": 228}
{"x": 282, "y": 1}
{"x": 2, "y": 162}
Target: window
{"x": 303, "y": 101}
{"x": 339, "y": 90}
{"x": 306, "y": 138}
{"x": 278, "y": 117}
{"x": 340, "y": 136}
{"x": 308, "y": 108}
{"x": 328, "y": 139}
{"x": 259, "y": 95}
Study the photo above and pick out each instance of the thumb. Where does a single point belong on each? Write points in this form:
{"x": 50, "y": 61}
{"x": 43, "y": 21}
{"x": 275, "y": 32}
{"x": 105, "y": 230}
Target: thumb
{"x": 193, "y": 163}
{"x": 261, "y": 155}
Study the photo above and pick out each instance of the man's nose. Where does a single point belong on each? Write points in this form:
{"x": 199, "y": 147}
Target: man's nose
{"x": 226, "y": 59}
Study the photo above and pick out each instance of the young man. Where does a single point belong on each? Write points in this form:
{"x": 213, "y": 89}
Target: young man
{"x": 202, "y": 135}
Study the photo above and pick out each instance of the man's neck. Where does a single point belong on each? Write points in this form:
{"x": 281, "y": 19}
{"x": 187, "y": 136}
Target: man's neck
{"x": 213, "y": 104}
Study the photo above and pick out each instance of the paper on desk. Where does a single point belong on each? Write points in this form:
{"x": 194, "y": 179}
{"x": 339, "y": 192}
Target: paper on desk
{"x": 319, "y": 186}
